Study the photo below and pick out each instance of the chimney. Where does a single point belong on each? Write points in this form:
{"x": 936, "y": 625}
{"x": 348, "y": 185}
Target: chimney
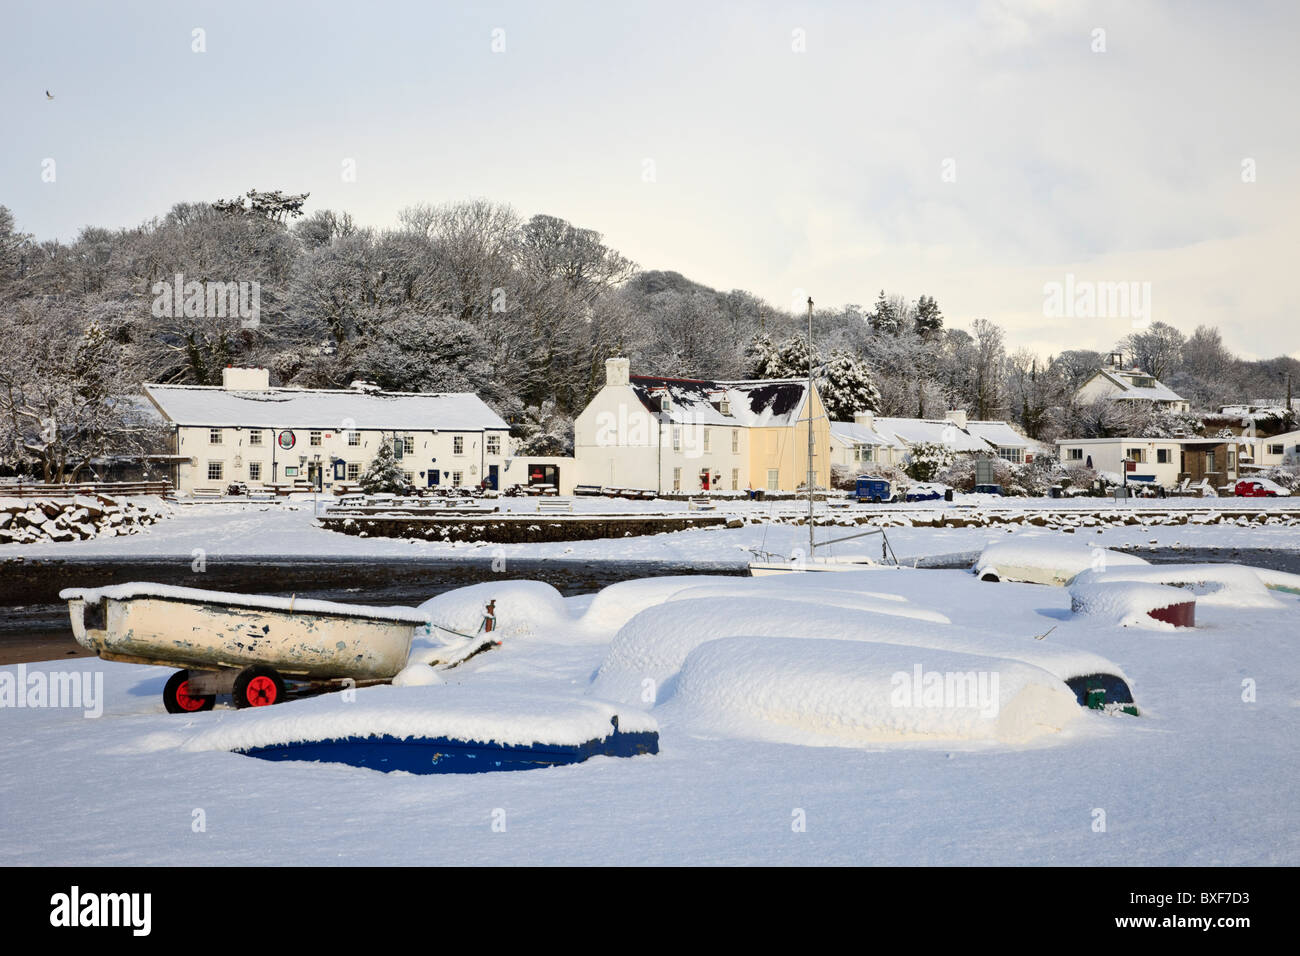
{"x": 957, "y": 416}
{"x": 865, "y": 418}
{"x": 618, "y": 371}
{"x": 245, "y": 379}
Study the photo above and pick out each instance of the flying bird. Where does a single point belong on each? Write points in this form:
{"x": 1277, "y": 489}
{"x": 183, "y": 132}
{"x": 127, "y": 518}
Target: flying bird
{"x": 49, "y": 95}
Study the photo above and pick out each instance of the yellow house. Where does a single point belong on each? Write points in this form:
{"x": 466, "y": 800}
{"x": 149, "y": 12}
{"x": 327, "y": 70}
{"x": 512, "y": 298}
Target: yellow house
{"x": 687, "y": 436}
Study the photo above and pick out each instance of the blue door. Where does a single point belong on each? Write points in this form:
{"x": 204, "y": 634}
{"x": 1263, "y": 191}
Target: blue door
{"x": 492, "y": 477}
{"x": 433, "y": 477}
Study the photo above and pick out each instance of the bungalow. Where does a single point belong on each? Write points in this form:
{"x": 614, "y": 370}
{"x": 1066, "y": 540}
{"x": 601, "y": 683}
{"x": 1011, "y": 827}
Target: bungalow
{"x": 1116, "y": 383}
{"x": 244, "y": 430}
{"x": 1162, "y": 461}
{"x": 868, "y": 440}
{"x": 689, "y": 435}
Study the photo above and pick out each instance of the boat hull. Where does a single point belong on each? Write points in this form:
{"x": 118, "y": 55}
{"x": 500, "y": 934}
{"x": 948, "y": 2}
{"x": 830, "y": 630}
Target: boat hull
{"x": 211, "y": 635}
{"x": 759, "y": 569}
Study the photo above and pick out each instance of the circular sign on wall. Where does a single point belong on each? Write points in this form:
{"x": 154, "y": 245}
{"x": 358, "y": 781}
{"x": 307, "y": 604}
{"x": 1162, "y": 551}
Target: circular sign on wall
{"x": 288, "y": 439}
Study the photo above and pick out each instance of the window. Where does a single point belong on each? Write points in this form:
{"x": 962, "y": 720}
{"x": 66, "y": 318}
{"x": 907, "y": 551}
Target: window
{"x": 735, "y": 479}
{"x": 408, "y": 477}
{"x": 1134, "y": 454}
{"x": 1276, "y": 449}
{"x": 455, "y": 479}
{"x": 773, "y": 479}
{"x": 1141, "y": 382}
{"x": 1209, "y": 461}
{"x": 857, "y": 453}
{"x": 354, "y": 471}
{"x": 1074, "y": 454}
{"x": 458, "y": 445}
{"x": 868, "y": 453}
{"x": 254, "y": 471}
{"x": 1162, "y": 456}
{"x": 677, "y": 438}
{"x": 315, "y": 439}
{"x": 735, "y": 440}
{"x": 255, "y": 436}
{"x": 214, "y": 471}
{"x": 1014, "y": 455}
{"x": 706, "y": 439}
{"x": 408, "y": 444}
{"x": 214, "y": 436}
{"x": 492, "y": 444}
{"x": 354, "y": 438}
{"x": 724, "y": 407}
{"x": 677, "y": 479}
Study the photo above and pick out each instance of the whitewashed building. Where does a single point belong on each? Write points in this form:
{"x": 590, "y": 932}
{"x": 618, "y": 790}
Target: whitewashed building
{"x": 1163, "y": 461}
{"x": 1115, "y": 383}
{"x": 246, "y": 431}
{"x": 676, "y": 435}
{"x": 871, "y": 441}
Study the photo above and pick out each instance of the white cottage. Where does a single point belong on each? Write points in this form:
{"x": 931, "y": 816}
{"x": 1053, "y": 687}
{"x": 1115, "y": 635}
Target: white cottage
{"x": 678, "y": 435}
{"x": 244, "y": 430}
{"x": 1115, "y": 383}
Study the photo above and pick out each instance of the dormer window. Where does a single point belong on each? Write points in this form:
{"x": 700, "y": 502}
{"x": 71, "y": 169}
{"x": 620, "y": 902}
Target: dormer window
{"x": 724, "y": 407}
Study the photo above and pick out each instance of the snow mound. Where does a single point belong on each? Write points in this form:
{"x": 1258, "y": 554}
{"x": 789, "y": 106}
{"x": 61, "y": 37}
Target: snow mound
{"x": 648, "y": 652}
{"x": 1046, "y": 560}
{"x": 1278, "y": 580}
{"x": 775, "y": 587}
{"x": 836, "y": 693}
{"x": 416, "y": 675}
{"x": 507, "y": 715}
{"x": 523, "y": 609}
{"x": 1216, "y": 585}
{"x": 614, "y": 606}
{"x": 1125, "y": 603}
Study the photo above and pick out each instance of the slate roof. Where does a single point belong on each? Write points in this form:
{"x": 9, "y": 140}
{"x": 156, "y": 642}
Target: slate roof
{"x": 213, "y": 406}
{"x": 753, "y": 404}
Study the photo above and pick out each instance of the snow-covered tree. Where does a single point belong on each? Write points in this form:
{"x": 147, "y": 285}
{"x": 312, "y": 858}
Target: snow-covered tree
{"x": 384, "y": 473}
{"x": 544, "y": 431}
{"x": 846, "y": 387}
{"x": 64, "y": 395}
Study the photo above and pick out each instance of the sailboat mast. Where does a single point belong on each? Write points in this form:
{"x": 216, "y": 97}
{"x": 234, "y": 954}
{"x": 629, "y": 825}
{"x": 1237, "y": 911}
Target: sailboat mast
{"x": 812, "y": 547}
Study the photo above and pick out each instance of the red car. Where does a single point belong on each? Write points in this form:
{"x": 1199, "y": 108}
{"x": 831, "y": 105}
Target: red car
{"x": 1258, "y": 488}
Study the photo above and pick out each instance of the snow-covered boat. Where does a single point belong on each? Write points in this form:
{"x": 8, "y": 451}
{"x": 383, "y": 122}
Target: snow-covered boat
{"x": 245, "y": 644}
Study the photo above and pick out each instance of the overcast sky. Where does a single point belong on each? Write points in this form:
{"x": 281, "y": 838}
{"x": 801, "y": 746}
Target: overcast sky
{"x": 970, "y": 151}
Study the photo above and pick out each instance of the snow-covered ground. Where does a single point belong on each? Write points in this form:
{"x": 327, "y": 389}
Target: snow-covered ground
{"x": 780, "y": 738}
{"x": 218, "y": 530}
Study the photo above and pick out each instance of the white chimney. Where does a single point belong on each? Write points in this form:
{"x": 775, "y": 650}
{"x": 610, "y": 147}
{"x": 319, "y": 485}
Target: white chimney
{"x": 618, "y": 371}
{"x": 245, "y": 379}
{"x": 865, "y": 418}
{"x": 957, "y": 416}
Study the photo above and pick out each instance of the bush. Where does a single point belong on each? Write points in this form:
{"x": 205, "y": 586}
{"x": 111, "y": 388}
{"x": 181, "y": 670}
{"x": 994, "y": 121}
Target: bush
{"x": 927, "y": 460}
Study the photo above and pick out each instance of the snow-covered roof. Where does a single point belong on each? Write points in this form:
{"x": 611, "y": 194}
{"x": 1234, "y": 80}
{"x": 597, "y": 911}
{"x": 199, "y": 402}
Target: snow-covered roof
{"x": 854, "y": 433}
{"x": 914, "y": 430}
{"x": 1123, "y": 380}
{"x": 998, "y": 434}
{"x": 752, "y": 404}
{"x": 214, "y": 406}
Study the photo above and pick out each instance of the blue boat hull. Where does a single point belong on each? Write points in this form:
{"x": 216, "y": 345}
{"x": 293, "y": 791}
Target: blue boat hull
{"x": 445, "y": 755}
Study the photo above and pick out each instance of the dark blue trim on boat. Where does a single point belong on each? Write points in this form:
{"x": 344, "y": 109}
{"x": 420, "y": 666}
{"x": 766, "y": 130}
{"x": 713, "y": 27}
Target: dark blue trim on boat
{"x": 446, "y": 755}
{"x": 1115, "y": 690}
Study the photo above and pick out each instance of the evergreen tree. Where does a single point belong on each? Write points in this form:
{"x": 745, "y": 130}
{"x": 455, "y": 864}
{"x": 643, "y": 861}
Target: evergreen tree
{"x": 846, "y": 387}
{"x": 928, "y": 319}
{"x": 384, "y": 473}
{"x": 884, "y": 319}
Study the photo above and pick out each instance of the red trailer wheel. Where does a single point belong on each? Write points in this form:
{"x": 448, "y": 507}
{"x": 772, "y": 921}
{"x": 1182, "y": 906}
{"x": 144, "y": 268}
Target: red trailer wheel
{"x": 178, "y": 699}
{"x": 258, "y": 687}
